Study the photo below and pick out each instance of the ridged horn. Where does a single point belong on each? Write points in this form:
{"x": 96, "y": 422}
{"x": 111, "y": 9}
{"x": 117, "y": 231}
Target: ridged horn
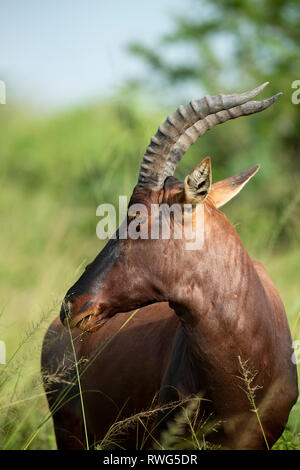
{"x": 152, "y": 172}
{"x": 203, "y": 125}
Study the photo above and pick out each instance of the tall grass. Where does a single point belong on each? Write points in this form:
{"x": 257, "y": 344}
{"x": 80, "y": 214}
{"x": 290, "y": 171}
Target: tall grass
{"x": 248, "y": 377}
{"x": 55, "y": 170}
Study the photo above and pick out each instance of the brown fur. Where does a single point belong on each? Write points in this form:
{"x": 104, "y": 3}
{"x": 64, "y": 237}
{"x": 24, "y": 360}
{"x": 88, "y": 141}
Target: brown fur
{"x": 222, "y": 307}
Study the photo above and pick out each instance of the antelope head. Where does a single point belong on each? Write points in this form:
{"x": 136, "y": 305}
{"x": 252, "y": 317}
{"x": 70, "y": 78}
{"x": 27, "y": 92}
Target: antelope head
{"x": 136, "y": 271}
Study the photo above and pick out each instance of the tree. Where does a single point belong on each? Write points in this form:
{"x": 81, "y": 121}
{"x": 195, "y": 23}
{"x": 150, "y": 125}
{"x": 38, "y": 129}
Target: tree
{"x": 235, "y": 45}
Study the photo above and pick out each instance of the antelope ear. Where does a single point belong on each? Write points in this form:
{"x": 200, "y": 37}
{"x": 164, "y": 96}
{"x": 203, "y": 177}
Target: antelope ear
{"x": 222, "y": 191}
{"x": 197, "y": 183}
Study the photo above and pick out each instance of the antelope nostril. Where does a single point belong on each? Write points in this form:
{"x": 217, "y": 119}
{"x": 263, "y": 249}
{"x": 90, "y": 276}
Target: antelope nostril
{"x": 65, "y": 311}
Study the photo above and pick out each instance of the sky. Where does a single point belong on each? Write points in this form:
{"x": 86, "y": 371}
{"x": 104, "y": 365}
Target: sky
{"x": 55, "y": 53}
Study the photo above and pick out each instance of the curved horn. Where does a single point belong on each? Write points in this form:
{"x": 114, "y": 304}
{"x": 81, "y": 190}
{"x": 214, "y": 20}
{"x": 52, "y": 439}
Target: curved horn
{"x": 152, "y": 171}
{"x": 203, "y": 125}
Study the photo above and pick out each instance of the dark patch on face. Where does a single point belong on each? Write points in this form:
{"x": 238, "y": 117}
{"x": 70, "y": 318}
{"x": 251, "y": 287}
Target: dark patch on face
{"x": 96, "y": 271}
{"x": 93, "y": 276}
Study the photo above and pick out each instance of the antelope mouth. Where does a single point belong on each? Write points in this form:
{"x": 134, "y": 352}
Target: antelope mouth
{"x": 88, "y": 322}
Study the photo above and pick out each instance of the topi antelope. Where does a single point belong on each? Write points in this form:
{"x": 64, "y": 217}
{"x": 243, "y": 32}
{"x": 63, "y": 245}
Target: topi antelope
{"x": 150, "y": 317}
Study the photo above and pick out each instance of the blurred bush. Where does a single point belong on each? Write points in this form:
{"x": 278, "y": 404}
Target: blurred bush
{"x": 222, "y": 45}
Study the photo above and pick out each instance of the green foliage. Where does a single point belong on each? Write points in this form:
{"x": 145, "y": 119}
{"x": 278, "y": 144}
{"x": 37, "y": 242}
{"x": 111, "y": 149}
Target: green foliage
{"x": 225, "y": 46}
